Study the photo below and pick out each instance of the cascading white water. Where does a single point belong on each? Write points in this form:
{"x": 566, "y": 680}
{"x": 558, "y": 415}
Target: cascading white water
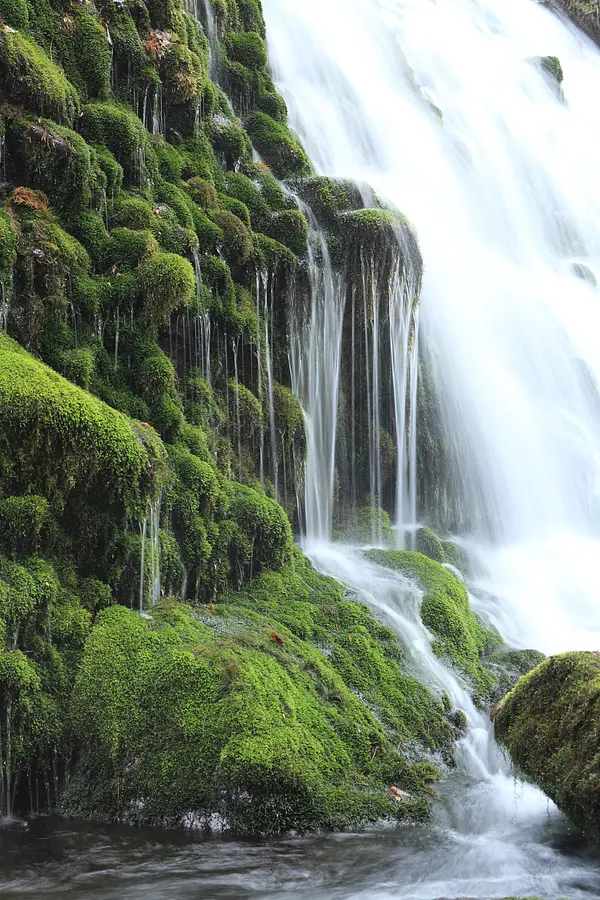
{"x": 504, "y": 195}
{"x": 442, "y": 108}
{"x": 315, "y": 355}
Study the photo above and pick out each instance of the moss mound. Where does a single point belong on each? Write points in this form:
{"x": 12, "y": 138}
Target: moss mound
{"x": 31, "y": 77}
{"x": 58, "y": 439}
{"x": 250, "y": 710}
{"x": 549, "y": 725}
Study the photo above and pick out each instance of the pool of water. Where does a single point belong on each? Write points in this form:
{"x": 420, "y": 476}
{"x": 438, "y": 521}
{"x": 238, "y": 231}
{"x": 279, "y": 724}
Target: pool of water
{"x": 462, "y": 854}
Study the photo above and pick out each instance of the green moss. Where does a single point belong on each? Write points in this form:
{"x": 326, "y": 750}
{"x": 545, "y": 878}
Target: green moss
{"x": 250, "y": 410}
{"x": 271, "y": 253}
{"x": 549, "y": 725}
{"x": 241, "y": 188}
{"x": 183, "y": 74}
{"x": 237, "y": 244}
{"x": 78, "y": 366}
{"x": 127, "y": 249}
{"x": 92, "y": 54}
{"x": 372, "y": 228}
{"x": 167, "y": 282}
{"x": 329, "y": 196}
{"x": 30, "y": 77}
{"x": 8, "y": 245}
{"x": 90, "y": 230}
{"x": 291, "y": 229}
{"x": 278, "y": 148}
{"x": 169, "y": 160}
{"x": 244, "y": 716}
{"x": 429, "y": 545}
{"x": 264, "y": 536}
{"x": 57, "y": 161}
{"x": 199, "y": 160}
{"x": 367, "y": 525}
{"x": 119, "y": 129}
{"x": 459, "y": 637}
{"x": 456, "y": 556}
{"x": 203, "y": 192}
{"x": 113, "y": 171}
{"x": 22, "y": 520}
{"x": 60, "y": 441}
{"x": 132, "y": 212}
{"x": 230, "y": 141}
{"x": 248, "y": 48}
{"x": 14, "y": 13}
{"x": 551, "y": 67}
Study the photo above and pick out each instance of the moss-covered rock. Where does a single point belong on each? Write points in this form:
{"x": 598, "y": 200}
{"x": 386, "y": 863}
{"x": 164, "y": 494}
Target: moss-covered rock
{"x": 119, "y": 129}
{"x": 29, "y": 76}
{"x": 329, "y": 196}
{"x": 60, "y": 441}
{"x": 552, "y": 70}
{"x": 245, "y": 716}
{"x": 549, "y": 725}
{"x": 167, "y": 282}
{"x": 428, "y": 543}
{"x": 280, "y": 150}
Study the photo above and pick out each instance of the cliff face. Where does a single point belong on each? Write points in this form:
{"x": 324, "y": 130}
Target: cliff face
{"x": 166, "y": 655}
{"x": 585, "y": 14}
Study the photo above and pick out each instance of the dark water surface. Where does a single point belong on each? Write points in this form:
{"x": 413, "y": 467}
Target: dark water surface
{"x": 51, "y": 858}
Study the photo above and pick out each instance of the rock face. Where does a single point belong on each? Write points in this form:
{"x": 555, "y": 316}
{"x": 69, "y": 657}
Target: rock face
{"x": 585, "y": 13}
{"x": 550, "y": 726}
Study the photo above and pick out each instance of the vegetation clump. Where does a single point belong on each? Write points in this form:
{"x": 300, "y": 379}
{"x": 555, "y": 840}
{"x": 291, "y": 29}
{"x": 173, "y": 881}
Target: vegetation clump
{"x": 152, "y": 449}
{"x": 260, "y": 722}
{"x": 549, "y": 725}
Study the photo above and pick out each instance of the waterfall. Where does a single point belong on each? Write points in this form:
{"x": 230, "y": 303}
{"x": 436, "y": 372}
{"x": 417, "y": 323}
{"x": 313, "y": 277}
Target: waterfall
{"x": 267, "y": 284}
{"x": 4, "y": 307}
{"x": 158, "y": 114}
{"x": 497, "y": 173}
{"x": 352, "y": 345}
{"x": 315, "y": 359}
{"x": 150, "y": 581}
{"x": 3, "y": 156}
{"x": 203, "y": 12}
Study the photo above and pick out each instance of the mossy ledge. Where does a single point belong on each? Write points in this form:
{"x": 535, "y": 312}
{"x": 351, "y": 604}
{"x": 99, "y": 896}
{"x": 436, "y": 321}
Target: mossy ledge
{"x": 549, "y": 725}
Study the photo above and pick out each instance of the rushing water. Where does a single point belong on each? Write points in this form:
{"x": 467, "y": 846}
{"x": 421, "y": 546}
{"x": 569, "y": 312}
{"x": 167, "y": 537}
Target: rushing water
{"x": 52, "y": 860}
{"x": 504, "y": 194}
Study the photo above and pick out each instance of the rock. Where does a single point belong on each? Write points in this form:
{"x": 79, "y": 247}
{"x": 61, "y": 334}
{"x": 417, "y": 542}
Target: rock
{"x": 550, "y": 726}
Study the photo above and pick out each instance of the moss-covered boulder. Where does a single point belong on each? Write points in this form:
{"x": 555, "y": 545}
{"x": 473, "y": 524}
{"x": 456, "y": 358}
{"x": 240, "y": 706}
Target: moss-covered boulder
{"x": 284, "y": 707}
{"x": 275, "y": 143}
{"x": 428, "y": 543}
{"x": 549, "y": 725}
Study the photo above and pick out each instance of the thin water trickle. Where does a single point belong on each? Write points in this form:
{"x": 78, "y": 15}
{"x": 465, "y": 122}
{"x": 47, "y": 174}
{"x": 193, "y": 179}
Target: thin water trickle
{"x": 315, "y": 360}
